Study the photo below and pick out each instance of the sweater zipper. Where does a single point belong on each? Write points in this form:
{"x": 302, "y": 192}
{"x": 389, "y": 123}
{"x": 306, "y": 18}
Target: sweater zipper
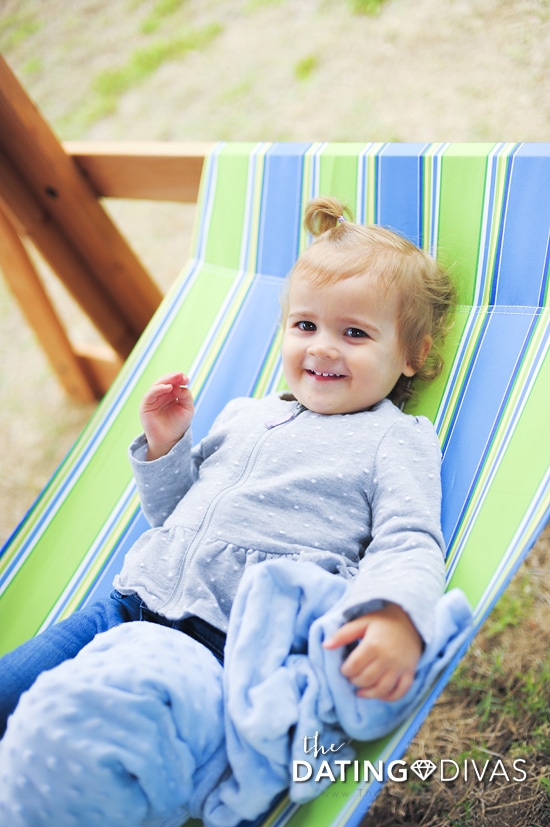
{"x": 176, "y": 595}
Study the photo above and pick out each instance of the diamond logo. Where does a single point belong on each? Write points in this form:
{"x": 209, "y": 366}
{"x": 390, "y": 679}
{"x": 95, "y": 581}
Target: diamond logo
{"x": 423, "y": 769}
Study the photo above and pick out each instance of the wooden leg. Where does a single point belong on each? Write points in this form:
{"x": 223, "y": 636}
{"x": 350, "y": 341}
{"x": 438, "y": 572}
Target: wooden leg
{"x": 29, "y": 292}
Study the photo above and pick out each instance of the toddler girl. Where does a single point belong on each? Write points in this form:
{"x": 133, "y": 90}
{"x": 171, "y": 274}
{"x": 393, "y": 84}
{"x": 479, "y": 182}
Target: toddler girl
{"x": 332, "y": 472}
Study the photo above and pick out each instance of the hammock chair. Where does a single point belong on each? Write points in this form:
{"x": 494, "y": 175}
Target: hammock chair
{"x": 485, "y": 211}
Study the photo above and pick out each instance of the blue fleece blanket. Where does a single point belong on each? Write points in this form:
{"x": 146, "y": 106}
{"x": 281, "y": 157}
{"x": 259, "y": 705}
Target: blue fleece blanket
{"x": 144, "y": 727}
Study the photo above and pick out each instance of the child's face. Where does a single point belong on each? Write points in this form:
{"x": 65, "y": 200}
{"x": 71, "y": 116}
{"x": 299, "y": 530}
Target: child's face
{"x": 341, "y": 350}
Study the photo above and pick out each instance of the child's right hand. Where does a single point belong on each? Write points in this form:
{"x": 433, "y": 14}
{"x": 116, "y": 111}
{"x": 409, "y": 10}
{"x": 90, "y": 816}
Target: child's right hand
{"x": 384, "y": 662}
{"x": 166, "y": 412}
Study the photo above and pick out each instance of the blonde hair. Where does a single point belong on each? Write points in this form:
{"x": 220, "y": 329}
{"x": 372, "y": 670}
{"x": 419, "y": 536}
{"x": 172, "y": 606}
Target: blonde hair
{"x": 342, "y": 249}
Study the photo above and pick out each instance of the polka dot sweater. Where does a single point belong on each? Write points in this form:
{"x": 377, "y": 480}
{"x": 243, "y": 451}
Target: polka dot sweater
{"x": 358, "y": 494}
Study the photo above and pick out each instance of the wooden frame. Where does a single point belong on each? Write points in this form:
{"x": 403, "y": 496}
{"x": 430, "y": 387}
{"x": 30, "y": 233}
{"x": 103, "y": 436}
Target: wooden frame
{"x": 148, "y": 170}
{"x": 49, "y": 195}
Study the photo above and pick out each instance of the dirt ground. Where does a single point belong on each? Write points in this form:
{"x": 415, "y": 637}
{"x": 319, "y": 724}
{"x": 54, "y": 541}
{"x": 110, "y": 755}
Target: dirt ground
{"x": 420, "y": 70}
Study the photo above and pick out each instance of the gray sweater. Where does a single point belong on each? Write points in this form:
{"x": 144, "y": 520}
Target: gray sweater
{"x": 358, "y": 494}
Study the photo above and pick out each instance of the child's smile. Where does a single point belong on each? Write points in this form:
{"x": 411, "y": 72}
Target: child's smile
{"x": 323, "y": 376}
{"x": 341, "y": 348}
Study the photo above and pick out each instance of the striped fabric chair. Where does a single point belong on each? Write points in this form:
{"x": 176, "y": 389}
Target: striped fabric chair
{"x": 485, "y": 211}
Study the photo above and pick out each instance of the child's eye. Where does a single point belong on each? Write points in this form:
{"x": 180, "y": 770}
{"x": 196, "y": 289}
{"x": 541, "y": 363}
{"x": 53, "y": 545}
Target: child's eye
{"x": 308, "y": 327}
{"x": 355, "y": 333}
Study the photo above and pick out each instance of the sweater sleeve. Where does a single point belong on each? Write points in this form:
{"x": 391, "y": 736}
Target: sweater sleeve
{"x": 162, "y": 482}
{"x": 404, "y": 562}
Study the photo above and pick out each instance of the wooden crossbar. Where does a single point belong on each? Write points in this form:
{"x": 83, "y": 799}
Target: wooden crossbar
{"x": 154, "y": 171}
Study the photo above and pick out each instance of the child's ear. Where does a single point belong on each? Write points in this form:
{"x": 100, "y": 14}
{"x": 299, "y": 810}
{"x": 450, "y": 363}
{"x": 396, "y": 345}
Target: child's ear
{"x": 410, "y": 369}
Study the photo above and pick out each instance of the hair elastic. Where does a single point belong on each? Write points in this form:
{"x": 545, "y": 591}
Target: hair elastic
{"x": 340, "y": 219}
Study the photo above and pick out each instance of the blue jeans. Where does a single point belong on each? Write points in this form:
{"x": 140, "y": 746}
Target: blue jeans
{"x": 19, "y": 669}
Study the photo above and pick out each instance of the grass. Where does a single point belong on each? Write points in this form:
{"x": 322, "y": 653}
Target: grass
{"x": 15, "y": 28}
{"x": 158, "y": 14}
{"x": 305, "y": 67}
{"x": 370, "y": 7}
{"x": 111, "y": 84}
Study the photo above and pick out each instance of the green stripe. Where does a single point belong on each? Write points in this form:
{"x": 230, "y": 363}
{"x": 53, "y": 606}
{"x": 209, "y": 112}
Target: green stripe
{"x": 523, "y": 466}
{"x": 458, "y": 193}
{"x": 463, "y": 171}
{"x": 226, "y": 221}
{"x": 336, "y": 166}
{"x": 338, "y": 173}
{"x": 100, "y": 559}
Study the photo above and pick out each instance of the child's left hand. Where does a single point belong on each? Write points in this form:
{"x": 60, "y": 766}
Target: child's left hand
{"x": 383, "y": 663}
{"x": 166, "y": 412}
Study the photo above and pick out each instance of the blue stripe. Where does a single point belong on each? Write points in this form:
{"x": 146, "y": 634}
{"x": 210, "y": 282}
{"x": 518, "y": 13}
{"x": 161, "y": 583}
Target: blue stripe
{"x": 243, "y": 353}
{"x": 494, "y": 276}
{"x": 281, "y": 208}
{"x": 494, "y": 365}
{"x": 398, "y": 189}
{"x": 543, "y": 298}
{"x": 523, "y": 266}
{"x": 209, "y": 171}
{"x": 104, "y": 583}
{"x": 486, "y": 234}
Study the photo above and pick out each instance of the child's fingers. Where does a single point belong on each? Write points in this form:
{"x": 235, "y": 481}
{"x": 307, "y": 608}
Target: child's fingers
{"x": 172, "y": 384}
{"x": 387, "y": 689}
{"x": 183, "y": 397}
{"x": 376, "y": 687}
{"x": 155, "y": 394}
{"x": 174, "y": 378}
{"x": 362, "y": 669}
{"x": 348, "y": 633}
{"x": 374, "y": 677}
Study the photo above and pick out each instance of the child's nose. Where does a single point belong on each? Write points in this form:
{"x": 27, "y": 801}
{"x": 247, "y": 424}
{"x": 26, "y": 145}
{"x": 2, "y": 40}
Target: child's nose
{"x": 324, "y": 348}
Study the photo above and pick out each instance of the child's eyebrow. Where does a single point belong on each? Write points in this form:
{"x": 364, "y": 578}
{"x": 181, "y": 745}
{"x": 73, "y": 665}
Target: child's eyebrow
{"x": 305, "y": 315}
{"x": 361, "y": 323}
{"x": 358, "y": 321}
{"x": 301, "y": 314}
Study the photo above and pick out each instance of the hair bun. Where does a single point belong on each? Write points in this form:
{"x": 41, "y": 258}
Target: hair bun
{"x": 324, "y": 213}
